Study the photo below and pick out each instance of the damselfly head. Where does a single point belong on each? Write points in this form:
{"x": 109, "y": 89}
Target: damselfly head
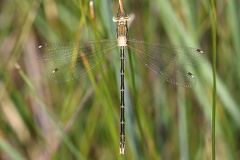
{"x": 118, "y": 18}
{"x": 121, "y": 17}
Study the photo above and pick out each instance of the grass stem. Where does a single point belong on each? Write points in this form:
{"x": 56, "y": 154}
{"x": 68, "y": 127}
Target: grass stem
{"x": 214, "y": 64}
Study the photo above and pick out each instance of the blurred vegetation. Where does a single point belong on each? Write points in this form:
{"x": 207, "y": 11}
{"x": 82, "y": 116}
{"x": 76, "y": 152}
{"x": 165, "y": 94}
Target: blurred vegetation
{"x": 40, "y": 119}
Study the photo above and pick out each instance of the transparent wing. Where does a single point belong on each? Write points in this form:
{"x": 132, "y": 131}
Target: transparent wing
{"x": 72, "y": 50}
{"x": 167, "y": 61}
{"x": 81, "y": 57}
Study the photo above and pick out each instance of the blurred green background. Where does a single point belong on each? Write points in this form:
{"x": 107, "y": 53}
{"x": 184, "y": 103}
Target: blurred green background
{"x": 40, "y": 119}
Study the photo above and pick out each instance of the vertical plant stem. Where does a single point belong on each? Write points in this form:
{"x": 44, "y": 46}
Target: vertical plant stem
{"x": 121, "y": 6}
{"x": 214, "y": 41}
{"x": 138, "y": 112}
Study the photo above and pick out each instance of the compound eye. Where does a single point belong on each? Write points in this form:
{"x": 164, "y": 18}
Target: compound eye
{"x": 115, "y": 18}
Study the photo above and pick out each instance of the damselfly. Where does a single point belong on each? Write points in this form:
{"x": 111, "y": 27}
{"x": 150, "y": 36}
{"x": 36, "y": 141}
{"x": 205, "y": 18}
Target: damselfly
{"x": 164, "y": 60}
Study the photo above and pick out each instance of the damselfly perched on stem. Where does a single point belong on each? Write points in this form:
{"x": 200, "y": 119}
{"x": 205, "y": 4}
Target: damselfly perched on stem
{"x": 165, "y": 61}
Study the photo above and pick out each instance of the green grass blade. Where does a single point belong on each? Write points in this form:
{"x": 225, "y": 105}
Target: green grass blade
{"x": 11, "y": 152}
{"x": 214, "y": 92}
